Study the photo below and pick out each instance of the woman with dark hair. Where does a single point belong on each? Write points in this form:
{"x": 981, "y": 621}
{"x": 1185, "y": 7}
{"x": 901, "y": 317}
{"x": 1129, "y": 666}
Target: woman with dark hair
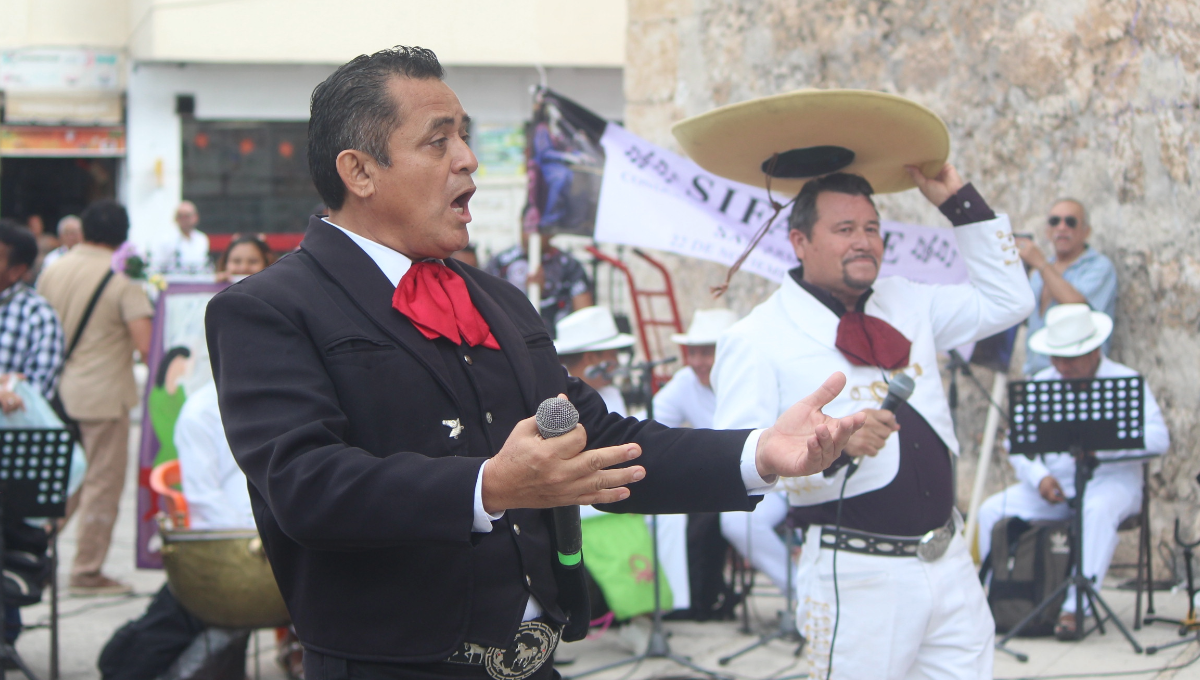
{"x": 166, "y": 400}
{"x": 247, "y": 254}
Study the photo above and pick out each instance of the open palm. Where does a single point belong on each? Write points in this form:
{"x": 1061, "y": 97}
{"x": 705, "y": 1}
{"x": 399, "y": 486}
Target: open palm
{"x": 805, "y": 441}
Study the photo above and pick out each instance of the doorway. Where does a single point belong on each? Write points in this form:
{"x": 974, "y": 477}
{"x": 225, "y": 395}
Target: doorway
{"x": 53, "y": 188}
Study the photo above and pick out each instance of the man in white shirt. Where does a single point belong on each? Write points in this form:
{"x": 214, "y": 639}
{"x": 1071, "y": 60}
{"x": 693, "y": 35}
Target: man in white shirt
{"x": 70, "y": 234}
{"x": 688, "y": 399}
{"x": 1072, "y": 338}
{"x": 186, "y": 252}
{"x": 588, "y": 344}
{"x": 214, "y": 486}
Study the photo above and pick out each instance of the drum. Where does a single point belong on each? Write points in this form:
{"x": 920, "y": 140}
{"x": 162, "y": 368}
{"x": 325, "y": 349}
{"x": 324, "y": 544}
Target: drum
{"x": 223, "y": 578}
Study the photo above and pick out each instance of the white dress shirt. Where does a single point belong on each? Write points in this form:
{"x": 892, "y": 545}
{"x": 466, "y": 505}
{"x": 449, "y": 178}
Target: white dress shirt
{"x": 182, "y": 254}
{"x": 214, "y": 486}
{"x": 684, "y": 400}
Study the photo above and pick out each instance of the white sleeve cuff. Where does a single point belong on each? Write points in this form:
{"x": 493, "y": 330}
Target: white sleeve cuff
{"x": 483, "y": 518}
{"x": 755, "y": 485}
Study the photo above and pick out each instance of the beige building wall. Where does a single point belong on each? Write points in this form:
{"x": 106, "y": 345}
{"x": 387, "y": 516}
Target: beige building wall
{"x": 1095, "y": 99}
{"x": 467, "y": 32}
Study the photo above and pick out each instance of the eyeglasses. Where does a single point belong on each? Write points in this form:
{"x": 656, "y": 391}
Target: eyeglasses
{"x": 1069, "y": 219}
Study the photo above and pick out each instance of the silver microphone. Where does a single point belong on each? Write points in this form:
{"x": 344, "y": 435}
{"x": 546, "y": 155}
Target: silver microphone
{"x": 555, "y": 417}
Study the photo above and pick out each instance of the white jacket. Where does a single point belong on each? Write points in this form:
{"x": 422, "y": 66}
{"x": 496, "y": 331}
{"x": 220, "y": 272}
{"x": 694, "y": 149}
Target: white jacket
{"x": 784, "y": 349}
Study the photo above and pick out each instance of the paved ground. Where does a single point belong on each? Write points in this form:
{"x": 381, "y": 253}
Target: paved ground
{"x": 87, "y": 623}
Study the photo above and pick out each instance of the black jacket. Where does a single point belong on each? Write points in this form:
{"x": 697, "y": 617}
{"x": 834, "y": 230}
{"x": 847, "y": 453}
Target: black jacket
{"x": 333, "y": 404}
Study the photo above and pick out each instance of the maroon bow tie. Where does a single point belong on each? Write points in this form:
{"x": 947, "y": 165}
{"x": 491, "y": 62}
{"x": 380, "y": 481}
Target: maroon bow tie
{"x": 871, "y": 341}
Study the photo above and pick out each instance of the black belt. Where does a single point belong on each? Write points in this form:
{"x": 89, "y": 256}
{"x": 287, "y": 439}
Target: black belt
{"x": 529, "y": 651}
{"x": 927, "y": 548}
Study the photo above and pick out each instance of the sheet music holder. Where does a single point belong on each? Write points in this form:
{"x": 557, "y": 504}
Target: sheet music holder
{"x": 35, "y": 465}
{"x": 1079, "y": 417}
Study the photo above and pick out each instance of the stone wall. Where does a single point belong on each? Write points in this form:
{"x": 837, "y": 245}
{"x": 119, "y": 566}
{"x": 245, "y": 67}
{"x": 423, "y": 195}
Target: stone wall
{"x": 1093, "y": 99}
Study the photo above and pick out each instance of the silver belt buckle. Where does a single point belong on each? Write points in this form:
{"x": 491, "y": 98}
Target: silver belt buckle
{"x": 933, "y": 544}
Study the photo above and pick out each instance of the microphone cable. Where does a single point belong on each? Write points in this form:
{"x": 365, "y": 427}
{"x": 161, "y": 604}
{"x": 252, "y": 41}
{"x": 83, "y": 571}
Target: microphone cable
{"x": 837, "y": 596}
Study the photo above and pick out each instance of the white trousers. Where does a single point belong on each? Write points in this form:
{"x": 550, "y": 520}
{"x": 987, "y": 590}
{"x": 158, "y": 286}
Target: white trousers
{"x": 901, "y": 618}
{"x": 753, "y": 535}
{"x": 1108, "y": 501}
{"x": 673, "y": 556}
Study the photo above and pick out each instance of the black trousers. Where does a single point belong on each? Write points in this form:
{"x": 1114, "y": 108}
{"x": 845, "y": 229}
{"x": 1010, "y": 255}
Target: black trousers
{"x": 321, "y": 667}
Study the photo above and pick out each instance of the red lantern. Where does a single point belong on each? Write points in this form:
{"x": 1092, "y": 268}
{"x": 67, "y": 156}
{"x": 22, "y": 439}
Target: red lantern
{"x": 287, "y": 149}
{"x": 246, "y": 146}
{"x": 201, "y": 141}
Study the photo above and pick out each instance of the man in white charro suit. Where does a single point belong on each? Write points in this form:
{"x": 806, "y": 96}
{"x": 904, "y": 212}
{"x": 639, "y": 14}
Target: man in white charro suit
{"x": 910, "y": 603}
{"x": 916, "y": 616}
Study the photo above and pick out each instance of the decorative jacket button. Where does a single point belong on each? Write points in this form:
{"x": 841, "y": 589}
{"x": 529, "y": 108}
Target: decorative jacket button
{"x": 467, "y": 358}
{"x": 488, "y": 415}
{"x": 517, "y": 529}
{"x": 528, "y": 581}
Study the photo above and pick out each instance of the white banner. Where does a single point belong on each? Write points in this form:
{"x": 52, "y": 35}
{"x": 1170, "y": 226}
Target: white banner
{"x": 653, "y": 198}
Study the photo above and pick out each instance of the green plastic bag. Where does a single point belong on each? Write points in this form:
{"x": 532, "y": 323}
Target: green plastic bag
{"x": 620, "y": 557}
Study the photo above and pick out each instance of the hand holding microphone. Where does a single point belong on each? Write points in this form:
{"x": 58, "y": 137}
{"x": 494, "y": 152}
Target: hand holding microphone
{"x": 881, "y": 422}
{"x": 532, "y": 471}
{"x": 555, "y": 417}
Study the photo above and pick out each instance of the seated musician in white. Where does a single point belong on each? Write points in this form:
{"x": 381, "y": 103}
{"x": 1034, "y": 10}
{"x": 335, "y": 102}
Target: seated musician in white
{"x": 688, "y": 399}
{"x": 1072, "y": 338}
{"x": 213, "y": 484}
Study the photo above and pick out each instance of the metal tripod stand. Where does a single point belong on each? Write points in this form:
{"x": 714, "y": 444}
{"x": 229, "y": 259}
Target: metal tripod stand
{"x": 657, "y": 647}
{"x": 786, "y": 630}
{"x": 1190, "y": 623}
{"x": 1084, "y": 588}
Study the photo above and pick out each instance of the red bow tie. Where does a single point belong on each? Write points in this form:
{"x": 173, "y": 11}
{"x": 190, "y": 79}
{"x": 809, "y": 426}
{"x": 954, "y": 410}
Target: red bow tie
{"x": 871, "y": 341}
{"x": 436, "y": 301}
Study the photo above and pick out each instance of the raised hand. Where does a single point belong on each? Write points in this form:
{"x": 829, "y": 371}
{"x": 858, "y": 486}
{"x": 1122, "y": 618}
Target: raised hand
{"x": 940, "y": 187}
{"x": 805, "y": 441}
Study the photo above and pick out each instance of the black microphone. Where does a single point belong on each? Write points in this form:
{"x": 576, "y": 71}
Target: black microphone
{"x": 899, "y": 390}
{"x": 555, "y": 417}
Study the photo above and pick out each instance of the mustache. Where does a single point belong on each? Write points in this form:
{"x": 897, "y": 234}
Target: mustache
{"x": 861, "y": 256}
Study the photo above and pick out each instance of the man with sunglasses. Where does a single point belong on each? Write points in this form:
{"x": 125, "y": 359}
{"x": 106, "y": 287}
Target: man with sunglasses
{"x": 1076, "y": 274}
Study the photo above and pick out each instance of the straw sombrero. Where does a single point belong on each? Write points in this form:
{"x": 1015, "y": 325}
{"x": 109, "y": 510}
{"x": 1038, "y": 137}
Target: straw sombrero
{"x": 816, "y": 132}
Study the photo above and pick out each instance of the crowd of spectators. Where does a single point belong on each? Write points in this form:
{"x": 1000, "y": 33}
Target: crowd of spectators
{"x": 74, "y": 338}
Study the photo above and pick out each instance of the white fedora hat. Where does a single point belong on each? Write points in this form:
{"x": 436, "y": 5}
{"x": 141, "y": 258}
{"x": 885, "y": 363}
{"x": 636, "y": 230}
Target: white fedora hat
{"x": 707, "y": 326}
{"x": 1071, "y": 331}
{"x": 591, "y": 329}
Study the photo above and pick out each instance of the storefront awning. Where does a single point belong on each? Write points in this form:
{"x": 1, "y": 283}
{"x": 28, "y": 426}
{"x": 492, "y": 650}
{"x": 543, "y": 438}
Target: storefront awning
{"x": 61, "y": 141}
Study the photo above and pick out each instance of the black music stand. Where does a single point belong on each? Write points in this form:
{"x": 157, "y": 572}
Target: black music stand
{"x": 1082, "y": 417}
{"x": 35, "y": 465}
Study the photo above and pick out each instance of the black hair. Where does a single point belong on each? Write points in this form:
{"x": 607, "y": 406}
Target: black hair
{"x": 105, "y": 222}
{"x": 22, "y": 246}
{"x": 239, "y": 239}
{"x": 353, "y": 109}
{"x": 164, "y": 364}
{"x": 804, "y": 211}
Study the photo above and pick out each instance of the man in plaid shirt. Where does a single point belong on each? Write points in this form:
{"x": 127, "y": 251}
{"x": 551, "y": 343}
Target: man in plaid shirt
{"x": 31, "y": 337}
{"x": 31, "y": 343}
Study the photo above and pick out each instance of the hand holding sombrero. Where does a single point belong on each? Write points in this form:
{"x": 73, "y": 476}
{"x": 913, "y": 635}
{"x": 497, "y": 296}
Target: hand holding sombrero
{"x": 796, "y": 136}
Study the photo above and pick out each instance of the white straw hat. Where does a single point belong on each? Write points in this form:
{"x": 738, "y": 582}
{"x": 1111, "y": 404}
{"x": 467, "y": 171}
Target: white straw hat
{"x": 707, "y": 326}
{"x": 1071, "y": 331}
{"x": 591, "y": 329}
